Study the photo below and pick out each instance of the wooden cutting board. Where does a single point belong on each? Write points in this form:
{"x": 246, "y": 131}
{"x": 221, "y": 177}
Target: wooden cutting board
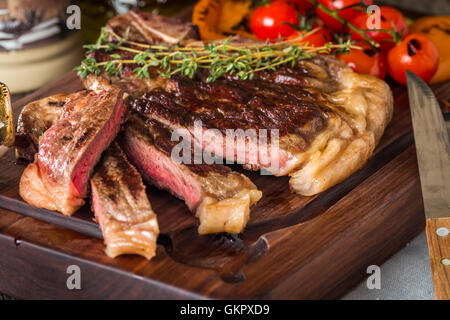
{"x": 294, "y": 247}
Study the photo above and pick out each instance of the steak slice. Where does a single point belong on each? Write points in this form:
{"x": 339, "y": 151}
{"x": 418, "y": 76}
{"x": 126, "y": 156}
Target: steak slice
{"x": 220, "y": 198}
{"x": 121, "y": 206}
{"x": 318, "y": 122}
{"x": 35, "y": 118}
{"x": 69, "y": 150}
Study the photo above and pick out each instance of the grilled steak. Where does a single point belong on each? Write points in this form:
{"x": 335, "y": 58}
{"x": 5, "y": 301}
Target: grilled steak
{"x": 316, "y": 121}
{"x": 35, "y": 118}
{"x": 121, "y": 206}
{"x": 220, "y": 198}
{"x": 146, "y": 28}
{"x": 324, "y": 120}
{"x": 328, "y": 119}
{"x": 149, "y": 28}
{"x": 69, "y": 150}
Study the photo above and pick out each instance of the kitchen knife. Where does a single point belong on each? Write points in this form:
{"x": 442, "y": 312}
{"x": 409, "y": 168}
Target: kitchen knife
{"x": 433, "y": 156}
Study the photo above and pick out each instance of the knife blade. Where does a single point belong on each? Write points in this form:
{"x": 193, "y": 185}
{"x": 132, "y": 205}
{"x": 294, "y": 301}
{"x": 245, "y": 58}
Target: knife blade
{"x": 433, "y": 157}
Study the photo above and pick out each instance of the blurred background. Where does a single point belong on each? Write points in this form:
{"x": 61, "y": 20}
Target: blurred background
{"x": 37, "y": 45}
{"x": 437, "y": 7}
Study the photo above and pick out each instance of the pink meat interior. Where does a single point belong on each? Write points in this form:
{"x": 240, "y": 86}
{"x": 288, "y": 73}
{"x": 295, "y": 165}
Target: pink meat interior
{"x": 158, "y": 167}
{"x": 96, "y": 206}
{"x": 94, "y": 151}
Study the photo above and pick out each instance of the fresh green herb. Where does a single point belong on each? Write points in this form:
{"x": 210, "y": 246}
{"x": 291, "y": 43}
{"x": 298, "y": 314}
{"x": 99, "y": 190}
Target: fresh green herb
{"x": 220, "y": 58}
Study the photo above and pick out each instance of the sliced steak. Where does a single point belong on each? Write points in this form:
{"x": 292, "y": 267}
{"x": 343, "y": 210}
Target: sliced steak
{"x": 121, "y": 206}
{"x": 150, "y": 28}
{"x": 35, "y": 118}
{"x": 286, "y": 103}
{"x": 220, "y": 198}
{"x": 69, "y": 150}
{"x": 328, "y": 119}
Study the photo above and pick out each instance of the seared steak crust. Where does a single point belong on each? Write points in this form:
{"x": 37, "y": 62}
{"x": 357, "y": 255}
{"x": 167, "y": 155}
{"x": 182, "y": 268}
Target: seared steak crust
{"x": 66, "y": 142}
{"x": 35, "y": 118}
{"x": 121, "y": 206}
{"x": 285, "y": 99}
{"x": 329, "y": 118}
{"x": 220, "y": 197}
{"x": 156, "y": 134}
{"x": 227, "y": 104}
{"x": 322, "y": 110}
{"x": 69, "y": 150}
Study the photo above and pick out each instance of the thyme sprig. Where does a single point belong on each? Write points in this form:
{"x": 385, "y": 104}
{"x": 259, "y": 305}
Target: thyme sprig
{"x": 220, "y": 58}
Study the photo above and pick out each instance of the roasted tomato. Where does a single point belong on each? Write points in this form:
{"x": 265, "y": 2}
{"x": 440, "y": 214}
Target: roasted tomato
{"x": 416, "y": 53}
{"x": 317, "y": 37}
{"x": 272, "y": 21}
{"x": 368, "y": 60}
{"x": 347, "y": 14}
{"x": 389, "y": 19}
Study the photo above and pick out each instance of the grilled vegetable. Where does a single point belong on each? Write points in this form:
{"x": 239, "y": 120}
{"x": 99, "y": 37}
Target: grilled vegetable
{"x": 218, "y": 19}
{"x": 415, "y": 53}
{"x": 438, "y": 30}
{"x": 6, "y": 119}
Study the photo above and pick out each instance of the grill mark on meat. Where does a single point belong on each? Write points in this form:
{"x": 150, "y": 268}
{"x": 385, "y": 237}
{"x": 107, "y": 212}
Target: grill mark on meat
{"x": 220, "y": 198}
{"x": 327, "y": 116}
{"x": 300, "y": 114}
{"x": 121, "y": 206}
{"x": 69, "y": 150}
{"x": 298, "y": 102}
{"x": 35, "y": 118}
{"x": 244, "y": 105}
{"x": 160, "y": 137}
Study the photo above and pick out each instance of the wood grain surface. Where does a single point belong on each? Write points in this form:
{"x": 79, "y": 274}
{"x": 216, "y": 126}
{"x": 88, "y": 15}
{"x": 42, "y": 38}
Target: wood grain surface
{"x": 439, "y": 247}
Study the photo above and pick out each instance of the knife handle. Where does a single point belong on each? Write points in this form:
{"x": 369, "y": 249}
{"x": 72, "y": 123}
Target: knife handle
{"x": 438, "y": 237}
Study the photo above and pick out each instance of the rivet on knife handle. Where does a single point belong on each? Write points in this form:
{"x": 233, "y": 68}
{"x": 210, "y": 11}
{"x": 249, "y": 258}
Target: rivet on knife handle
{"x": 439, "y": 248}
{"x": 433, "y": 157}
{"x": 6, "y": 117}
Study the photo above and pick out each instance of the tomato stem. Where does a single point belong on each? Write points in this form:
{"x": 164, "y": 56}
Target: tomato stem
{"x": 335, "y": 14}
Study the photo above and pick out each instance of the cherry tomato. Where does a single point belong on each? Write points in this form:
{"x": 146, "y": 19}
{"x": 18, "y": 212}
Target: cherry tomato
{"x": 389, "y": 17}
{"x": 319, "y": 37}
{"x": 416, "y": 53}
{"x": 368, "y": 60}
{"x": 270, "y": 22}
{"x": 347, "y": 14}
